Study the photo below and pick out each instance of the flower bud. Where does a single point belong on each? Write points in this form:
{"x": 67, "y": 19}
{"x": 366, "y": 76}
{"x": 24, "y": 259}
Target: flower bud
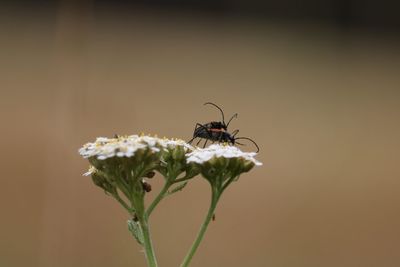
{"x": 146, "y": 186}
{"x": 150, "y": 174}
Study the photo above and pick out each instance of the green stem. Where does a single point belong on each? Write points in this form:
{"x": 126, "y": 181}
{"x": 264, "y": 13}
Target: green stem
{"x": 214, "y": 199}
{"x": 158, "y": 199}
{"x": 123, "y": 187}
{"x": 148, "y": 246}
{"x": 183, "y": 179}
{"x": 228, "y": 182}
{"x": 138, "y": 205}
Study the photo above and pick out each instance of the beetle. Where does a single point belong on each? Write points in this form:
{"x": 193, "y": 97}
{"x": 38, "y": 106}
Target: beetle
{"x": 217, "y": 131}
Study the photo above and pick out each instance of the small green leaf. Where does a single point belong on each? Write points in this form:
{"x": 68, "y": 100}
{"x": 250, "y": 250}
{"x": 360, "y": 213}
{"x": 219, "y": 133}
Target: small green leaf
{"x": 178, "y": 188}
{"x": 134, "y": 228}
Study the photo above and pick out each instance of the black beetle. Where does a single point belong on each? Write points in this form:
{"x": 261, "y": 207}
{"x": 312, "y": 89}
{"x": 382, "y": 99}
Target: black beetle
{"x": 217, "y": 131}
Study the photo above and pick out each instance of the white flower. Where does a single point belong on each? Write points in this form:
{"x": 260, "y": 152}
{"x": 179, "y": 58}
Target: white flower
{"x": 126, "y": 146}
{"x": 201, "y": 155}
{"x": 174, "y": 143}
{"x": 104, "y": 148}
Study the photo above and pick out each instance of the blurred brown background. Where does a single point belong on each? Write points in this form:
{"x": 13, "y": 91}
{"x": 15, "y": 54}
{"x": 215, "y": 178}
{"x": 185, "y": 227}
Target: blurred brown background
{"x": 320, "y": 96}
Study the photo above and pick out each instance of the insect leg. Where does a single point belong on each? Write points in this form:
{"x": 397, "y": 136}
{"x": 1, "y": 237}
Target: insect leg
{"x": 201, "y": 133}
{"x": 205, "y": 143}
{"x": 199, "y": 142}
{"x": 198, "y": 125}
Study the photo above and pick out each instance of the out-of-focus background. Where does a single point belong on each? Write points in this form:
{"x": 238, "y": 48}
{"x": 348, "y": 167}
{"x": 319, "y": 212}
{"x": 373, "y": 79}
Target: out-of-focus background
{"x": 315, "y": 83}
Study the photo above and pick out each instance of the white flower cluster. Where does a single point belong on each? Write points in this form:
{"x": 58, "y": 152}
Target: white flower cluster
{"x": 201, "y": 155}
{"x": 174, "y": 143}
{"x": 126, "y": 146}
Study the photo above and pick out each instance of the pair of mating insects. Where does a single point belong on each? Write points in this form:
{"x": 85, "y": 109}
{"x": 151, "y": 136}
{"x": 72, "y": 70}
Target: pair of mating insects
{"x": 217, "y": 131}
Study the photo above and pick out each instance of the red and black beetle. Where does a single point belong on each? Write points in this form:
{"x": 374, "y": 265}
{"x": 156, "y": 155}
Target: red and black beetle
{"x": 217, "y": 131}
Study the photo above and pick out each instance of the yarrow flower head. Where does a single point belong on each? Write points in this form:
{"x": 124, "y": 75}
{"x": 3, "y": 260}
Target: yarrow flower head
{"x": 222, "y": 161}
{"x": 120, "y": 146}
{"x": 203, "y": 155}
{"x": 124, "y": 160}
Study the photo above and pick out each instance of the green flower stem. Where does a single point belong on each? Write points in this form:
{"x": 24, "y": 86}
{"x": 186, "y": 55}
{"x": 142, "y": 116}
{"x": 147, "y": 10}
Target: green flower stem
{"x": 148, "y": 246}
{"x": 138, "y": 204}
{"x": 183, "y": 179}
{"x": 158, "y": 198}
{"x": 214, "y": 199}
{"x": 228, "y": 182}
{"x": 123, "y": 187}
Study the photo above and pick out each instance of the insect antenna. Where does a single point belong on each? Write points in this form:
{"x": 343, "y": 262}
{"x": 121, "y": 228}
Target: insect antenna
{"x": 235, "y": 132}
{"x": 258, "y": 148}
{"x": 223, "y": 117}
{"x": 234, "y": 116}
